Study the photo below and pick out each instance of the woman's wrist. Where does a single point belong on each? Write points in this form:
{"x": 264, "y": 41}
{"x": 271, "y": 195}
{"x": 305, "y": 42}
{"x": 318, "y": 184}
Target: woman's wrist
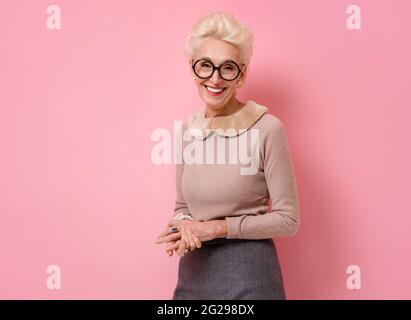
{"x": 219, "y": 228}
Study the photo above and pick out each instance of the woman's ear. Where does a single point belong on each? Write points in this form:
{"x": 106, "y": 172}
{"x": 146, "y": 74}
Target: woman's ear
{"x": 245, "y": 74}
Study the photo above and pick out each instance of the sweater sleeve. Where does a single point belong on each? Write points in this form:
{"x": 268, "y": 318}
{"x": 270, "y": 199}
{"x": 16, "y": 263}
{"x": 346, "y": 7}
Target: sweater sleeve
{"x": 284, "y": 218}
{"x": 180, "y": 203}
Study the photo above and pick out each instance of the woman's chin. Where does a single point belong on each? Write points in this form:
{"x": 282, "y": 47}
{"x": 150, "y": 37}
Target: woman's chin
{"x": 214, "y": 102}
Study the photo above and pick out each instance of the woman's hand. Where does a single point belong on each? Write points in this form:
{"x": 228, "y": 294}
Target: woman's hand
{"x": 191, "y": 233}
{"x": 188, "y": 229}
{"x": 170, "y": 252}
{"x": 180, "y": 248}
{"x": 191, "y": 240}
{"x": 179, "y": 241}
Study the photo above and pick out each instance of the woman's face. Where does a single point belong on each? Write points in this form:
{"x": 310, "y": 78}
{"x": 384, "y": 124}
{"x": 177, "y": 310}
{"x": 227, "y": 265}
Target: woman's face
{"x": 217, "y": 51}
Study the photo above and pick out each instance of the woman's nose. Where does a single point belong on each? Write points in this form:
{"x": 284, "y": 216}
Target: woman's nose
{"x": 215, "y": 77}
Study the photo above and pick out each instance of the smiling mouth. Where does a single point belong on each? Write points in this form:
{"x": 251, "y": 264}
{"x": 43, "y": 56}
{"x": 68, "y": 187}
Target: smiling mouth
{"x": 214, "y": 91}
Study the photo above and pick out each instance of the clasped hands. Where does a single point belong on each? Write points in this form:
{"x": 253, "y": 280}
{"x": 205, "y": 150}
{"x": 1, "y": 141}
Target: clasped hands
{"x": 190, "y": 236}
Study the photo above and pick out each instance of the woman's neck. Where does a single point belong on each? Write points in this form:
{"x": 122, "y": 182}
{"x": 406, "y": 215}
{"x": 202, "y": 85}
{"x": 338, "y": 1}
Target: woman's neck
{"x": 233, "y": 106}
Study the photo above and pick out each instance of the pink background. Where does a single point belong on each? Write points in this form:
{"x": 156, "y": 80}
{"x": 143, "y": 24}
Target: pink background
{"x": 78, "y": 105}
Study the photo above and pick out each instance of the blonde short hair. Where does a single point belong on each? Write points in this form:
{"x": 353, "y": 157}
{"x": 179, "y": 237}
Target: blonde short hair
{"x": 221, "y": 26}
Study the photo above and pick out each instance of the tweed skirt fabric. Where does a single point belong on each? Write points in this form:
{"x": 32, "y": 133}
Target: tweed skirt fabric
{"x": 231, "y": 269}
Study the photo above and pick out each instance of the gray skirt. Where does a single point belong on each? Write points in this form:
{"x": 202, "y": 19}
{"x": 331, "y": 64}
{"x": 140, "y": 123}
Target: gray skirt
{"x": 231, "y": 269}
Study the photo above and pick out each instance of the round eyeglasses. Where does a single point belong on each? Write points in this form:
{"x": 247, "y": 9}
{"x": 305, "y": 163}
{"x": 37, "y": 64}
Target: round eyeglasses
{"x": 204, "y": 69}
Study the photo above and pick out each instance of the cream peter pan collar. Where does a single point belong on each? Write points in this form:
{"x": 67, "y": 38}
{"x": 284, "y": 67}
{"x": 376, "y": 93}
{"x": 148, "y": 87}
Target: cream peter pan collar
{"x": 240, "y": 121}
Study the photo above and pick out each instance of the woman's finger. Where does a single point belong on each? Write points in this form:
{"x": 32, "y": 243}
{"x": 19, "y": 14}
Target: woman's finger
{"x": 170, "y": 237}
{"x": 167, "y": 231}
{"x": 168, "y": 250}
{"x": 190, "y": 234}
{"x": 184, "y": 236}
{"x": 164, "y": 233}
{"x": 196, "y": 240}
{"x": 181, "y": 249}
{"x": 172, "y": 246}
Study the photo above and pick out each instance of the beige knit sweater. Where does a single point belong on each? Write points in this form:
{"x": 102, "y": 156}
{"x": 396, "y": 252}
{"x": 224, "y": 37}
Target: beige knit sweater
{"x": 238, "y": 191}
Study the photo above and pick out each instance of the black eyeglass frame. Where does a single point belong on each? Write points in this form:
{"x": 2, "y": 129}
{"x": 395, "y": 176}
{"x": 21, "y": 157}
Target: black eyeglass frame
{"x": 218, "y": 68}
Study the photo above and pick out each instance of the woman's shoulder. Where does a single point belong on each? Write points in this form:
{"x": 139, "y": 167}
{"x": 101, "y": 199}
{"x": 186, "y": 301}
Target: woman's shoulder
{"x": 269, "y": 123}
{"x": 272, "y": 133}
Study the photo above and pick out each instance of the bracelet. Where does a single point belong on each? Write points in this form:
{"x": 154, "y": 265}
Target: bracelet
{"x": 183, "y": 216}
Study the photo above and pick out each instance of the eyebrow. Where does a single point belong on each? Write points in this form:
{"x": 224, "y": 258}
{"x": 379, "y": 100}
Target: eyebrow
{"x": 229, "y": 60}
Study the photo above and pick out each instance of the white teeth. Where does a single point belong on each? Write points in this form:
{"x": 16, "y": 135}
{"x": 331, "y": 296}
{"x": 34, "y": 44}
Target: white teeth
{"x": 215, "y": 90}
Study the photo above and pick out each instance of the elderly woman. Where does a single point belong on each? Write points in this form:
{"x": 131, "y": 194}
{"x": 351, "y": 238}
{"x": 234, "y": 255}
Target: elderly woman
{"x": 225, "y": 215}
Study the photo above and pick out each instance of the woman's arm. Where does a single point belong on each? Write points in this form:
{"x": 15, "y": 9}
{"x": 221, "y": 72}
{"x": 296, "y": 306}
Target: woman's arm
{"x": 180, "y": 203}
{"x": 219, "y": 228}
{"x": 284, "y": 219}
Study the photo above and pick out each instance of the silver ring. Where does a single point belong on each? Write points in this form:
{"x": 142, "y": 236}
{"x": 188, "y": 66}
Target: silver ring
{"x": 173, "y": 229}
